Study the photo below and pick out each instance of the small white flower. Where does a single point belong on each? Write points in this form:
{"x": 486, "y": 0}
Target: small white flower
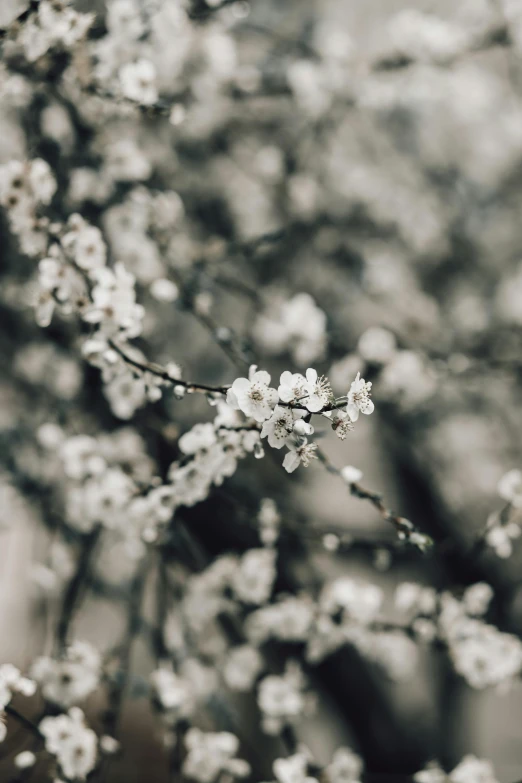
{"x": 499, "y": 540}
{"x": 292, "y": 769}
{"x": 477, "y": 598}
{"x": 278, "y": 428}
{"x": 138, "y": 82}
{"x": 114, "y": 305}
{"x": 73, "y": 744}
{"x": 341, "y": 424}
{"x": 281, "y": 699}
{"x": 41, "y": 180}
{"x": 242, "y": 667}
{"x": 359, "y": 398}
{"x": 297, "y": 454}
{"x": 125, "y": 393}
{"x": 86, "y": 246}
{"x": 72, "y": 679}
{"x": 318, "y": 391}
{"x": 253, "y": 395}
{"x": 510, "y": 487}
{"x": 174, "y": 693}
{"x": 211, "y": 753}
{"x": 345, "y": 767}
{"x": 292, "y": 386}
{"x": 255, "y": 575}
{"x": 200, "y": 437}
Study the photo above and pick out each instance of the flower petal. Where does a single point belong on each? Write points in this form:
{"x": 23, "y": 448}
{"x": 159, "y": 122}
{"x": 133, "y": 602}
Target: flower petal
{"x": 367, "y": 407}
{"x": 261, "y": 376}
{"x": 352, "y": 411}
{"x": 240, "y": 385}
{"x": 313, "y": 403}
{"x": 291, "y": 462}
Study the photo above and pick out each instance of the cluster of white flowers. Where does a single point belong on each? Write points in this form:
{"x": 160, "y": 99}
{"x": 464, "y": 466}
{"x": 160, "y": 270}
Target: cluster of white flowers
{"x": 480, "y": 653}
{"x": 54, "y": 26}
{"x": 501, "y": 533}
{"x": 469, "y": 770}
{"x": 211, "y": 452}
{"x": 345, "y": 767}
{"x": 175, "y": 694}
{"x": 283, "y": 700}
{"x": 348, "y": 612}
{"x": 109, "y": 481}
{"x": 74, "y": 745}
{"x": 285, "y": 413}
{"x": 209, "y": 754}
{"x": 24, "y": 188}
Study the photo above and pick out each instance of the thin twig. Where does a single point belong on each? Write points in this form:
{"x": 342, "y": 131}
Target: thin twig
{"x": 27, "y": 722}
{"x": 156, "y": 369}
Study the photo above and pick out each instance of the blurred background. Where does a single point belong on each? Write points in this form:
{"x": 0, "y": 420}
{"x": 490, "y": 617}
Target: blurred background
{"x": 376, "y": 150}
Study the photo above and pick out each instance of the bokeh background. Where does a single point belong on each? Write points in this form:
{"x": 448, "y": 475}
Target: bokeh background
{"x": 385, "y": 174}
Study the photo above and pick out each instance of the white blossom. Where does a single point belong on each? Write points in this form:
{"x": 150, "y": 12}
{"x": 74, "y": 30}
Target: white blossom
{"x": 299, "y": 453}
{"x": 510, "y": 487}
{"x": 70, "y": 680}
{"x": 138, "y": 82}
{"x": 243, "y": 665}
{"x": 292, "y": 387}
{"x": 114, "y": 306}
{"x": 359, "y": 398}
{"x": 84, "y": 243}
{"x": 282, "y": 699}
{"x": 253, "y": 579}
{"x": 293, "y": 769}
{"x": 174, "y": 693}
{"x": 317, "y": 390}
{"x": 279, "y": 427}
{"x": 73, "y": 744}
{"x": 345, "y": 767}
{"x": 210, "y": 754}
{"x": 253, "y": 395}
